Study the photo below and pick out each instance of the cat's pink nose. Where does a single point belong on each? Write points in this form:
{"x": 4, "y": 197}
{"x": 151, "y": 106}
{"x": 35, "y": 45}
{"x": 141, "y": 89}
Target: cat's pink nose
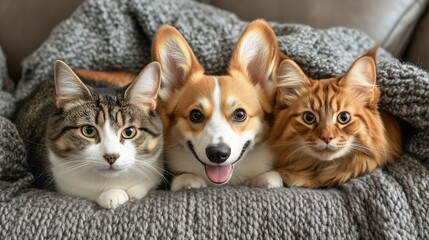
{"x": 327, "y": 136}
{"x": 111, "y": 158}
{"x": 327, "y": 139}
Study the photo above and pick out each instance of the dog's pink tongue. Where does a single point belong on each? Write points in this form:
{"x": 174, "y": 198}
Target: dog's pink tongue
{"x": 218, "y": 173}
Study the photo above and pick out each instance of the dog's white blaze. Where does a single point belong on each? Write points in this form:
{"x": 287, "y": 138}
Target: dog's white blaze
{"x": 218, "y": 130}
{"x": 217, "y": 122}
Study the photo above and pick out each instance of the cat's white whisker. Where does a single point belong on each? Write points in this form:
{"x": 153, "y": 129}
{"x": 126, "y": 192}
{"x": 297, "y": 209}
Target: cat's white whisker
{"x": 152, "y": 168}
{"x": 363, "y": 149}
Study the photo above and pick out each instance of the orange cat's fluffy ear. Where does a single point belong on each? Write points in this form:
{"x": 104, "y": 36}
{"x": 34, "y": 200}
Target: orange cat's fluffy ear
{"x": 256, "y": 53}
{"x": 363, "y": 72}
{"x": 290, "y": 79}
{"x": 363, "y": 75}
{"x": 174, "y": 54}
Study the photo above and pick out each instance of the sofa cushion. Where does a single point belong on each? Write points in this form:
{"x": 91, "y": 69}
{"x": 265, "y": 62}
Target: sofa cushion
{"x": 388, "y": 22}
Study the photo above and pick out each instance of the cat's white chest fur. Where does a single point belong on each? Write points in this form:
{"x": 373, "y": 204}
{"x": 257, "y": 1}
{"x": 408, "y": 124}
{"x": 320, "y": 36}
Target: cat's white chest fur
{"x": 89, "y": 175}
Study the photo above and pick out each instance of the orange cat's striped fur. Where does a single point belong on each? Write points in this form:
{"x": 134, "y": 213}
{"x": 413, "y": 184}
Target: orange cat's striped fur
{"x": 329, "y": 131}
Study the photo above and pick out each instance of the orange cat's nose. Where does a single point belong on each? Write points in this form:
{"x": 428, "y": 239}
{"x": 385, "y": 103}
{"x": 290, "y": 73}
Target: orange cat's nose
{"x": 111, "y": 158}
{"x": 327, "y": 136}
{"x": 327, "y": 140}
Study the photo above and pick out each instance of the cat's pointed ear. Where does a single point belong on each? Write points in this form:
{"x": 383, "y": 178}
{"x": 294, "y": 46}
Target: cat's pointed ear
{"x": 362, "y": 75}
{"x": 363, "y": 72}
{"x": 256, "y": 53}
{"x": 144, "y": 89}
{"x": 68, "y": 87}
{"x": 290, "y": 79}
{"x": 178, "y": 61}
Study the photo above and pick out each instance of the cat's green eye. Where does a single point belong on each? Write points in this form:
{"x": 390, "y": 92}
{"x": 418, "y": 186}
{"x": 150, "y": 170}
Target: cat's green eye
{"x": 129, "y": 132}
{"x": 344, "y": 117}
{"x": 89, "y": 131}
{"x": 309, "y": 117}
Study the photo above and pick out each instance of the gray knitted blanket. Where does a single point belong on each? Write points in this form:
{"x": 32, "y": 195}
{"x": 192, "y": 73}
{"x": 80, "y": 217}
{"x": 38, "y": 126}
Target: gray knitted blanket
{"x": 390, "y": 203}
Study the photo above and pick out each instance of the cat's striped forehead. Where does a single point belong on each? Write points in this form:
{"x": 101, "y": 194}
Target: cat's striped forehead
{"x": 327, "y": 97}
{"x": 119, "y": 114}
{"x": 105, "y": 108}
{"x": 115, "y": 115}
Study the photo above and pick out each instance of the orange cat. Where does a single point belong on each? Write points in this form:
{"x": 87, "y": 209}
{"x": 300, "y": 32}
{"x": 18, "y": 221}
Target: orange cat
{"x": 329, "y": 131}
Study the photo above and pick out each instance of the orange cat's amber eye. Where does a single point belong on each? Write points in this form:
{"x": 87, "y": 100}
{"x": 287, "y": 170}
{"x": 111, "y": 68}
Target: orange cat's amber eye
{"x": 344, "y": 117}
{"x": 309, "y": 117}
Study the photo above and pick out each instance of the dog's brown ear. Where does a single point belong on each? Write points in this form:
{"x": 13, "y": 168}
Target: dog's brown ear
{"x": 116, "y": 78}
{"x": 177, "y": 60}
{"x": 256, "y": 53}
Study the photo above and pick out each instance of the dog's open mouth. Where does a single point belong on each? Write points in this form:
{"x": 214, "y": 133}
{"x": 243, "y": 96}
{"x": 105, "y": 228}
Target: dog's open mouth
{"x": 219, "y": 173}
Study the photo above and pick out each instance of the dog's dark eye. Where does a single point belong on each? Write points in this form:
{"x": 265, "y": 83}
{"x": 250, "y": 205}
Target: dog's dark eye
{"x": 239, "y": 115}
{"x": 196, "y": 116}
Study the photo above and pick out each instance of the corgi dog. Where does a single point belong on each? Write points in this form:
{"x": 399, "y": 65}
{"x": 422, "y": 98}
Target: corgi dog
{"x": 216, "y": 127}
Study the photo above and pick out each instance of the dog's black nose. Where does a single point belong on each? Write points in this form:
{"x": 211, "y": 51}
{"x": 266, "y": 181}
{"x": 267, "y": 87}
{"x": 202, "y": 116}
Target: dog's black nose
{"x": 218, "y": 153}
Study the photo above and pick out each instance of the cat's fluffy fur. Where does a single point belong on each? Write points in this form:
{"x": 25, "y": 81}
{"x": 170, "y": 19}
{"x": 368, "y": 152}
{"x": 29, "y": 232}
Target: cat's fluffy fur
{"x": 330, "y": 130}
{"x": 117, "y": 158}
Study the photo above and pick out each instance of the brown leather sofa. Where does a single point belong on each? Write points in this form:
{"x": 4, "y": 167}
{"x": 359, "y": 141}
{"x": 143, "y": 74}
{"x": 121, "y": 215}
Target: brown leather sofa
{"x": 400, "y": 26}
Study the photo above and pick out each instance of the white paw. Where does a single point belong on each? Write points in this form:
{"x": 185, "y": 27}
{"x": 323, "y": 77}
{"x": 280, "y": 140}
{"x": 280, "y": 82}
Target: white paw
{"x": 138, "y": 191}
{"x": 270, "y": 179}
{"x": 112, "y": 198}
{"x": 187, "y": 181}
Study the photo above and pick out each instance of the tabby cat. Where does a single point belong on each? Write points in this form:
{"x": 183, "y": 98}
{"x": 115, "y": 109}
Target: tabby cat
{"x": 100, "y": 143}
{"x": 330, "y": 130}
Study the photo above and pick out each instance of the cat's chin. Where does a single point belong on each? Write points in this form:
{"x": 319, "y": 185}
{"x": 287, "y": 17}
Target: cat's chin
{"x": 327, "y": 155}
{"x": 111, "y": 172}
